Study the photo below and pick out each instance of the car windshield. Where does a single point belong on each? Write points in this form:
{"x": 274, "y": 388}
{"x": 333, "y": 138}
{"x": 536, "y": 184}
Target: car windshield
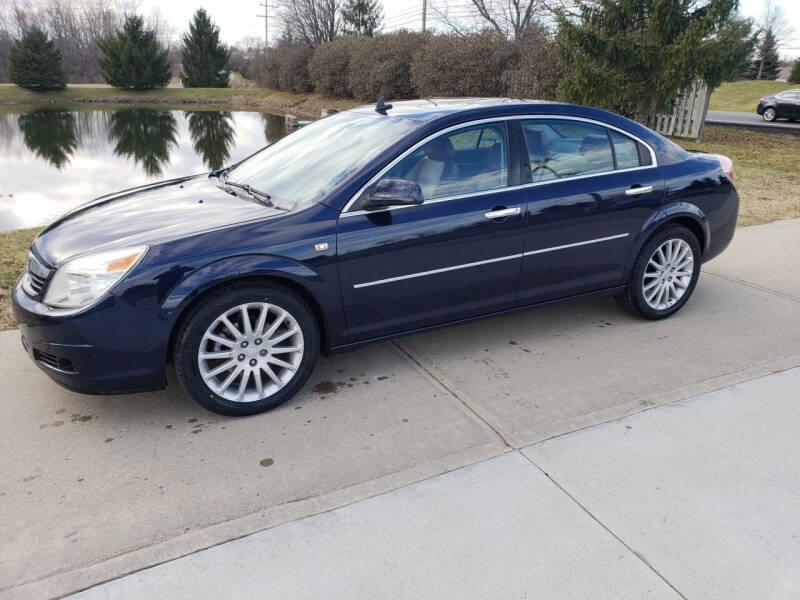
{"x": 304, "y": 167}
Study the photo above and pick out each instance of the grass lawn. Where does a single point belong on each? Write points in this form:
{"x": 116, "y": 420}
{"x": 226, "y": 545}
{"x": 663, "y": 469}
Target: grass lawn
{"x": 766, "y": 169}
{"x": 306, "y": 105}
{"x": 14, "y": 252}
{"x": 767, "y": 178}
{"x": 743, "y": 96}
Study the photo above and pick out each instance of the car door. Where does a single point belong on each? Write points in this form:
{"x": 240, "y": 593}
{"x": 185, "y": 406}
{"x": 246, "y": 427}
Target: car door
{"x": 454, "y": 256}
{"x": 591, "y": 189}
{"x": 786, "y": 105}
{"x": 793, "y": 106}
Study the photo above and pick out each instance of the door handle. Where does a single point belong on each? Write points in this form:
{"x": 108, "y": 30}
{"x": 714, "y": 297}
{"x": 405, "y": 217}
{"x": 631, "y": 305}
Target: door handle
{"x": 502, "y": 213}
{"x": 635, "y": 191}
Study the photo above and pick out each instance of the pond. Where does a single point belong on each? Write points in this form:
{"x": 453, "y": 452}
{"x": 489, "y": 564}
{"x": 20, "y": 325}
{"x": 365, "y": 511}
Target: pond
{"x": 54, "y": 159}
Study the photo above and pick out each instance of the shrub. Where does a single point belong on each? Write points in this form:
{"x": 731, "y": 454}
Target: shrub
{"x": 471, "y": 65}
{"x": 133, "y": 58}
{"x": 535, "y": 71}
{"x": 329, "y": 67}
{"x": 35, "y": 63}
{"x": 285, "y": 68}
{"x": 268, "y": 69}
{"x": 381, "y": 65}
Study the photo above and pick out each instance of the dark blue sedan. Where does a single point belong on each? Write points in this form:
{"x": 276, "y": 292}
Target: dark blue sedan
{"x": 371, "y": 223}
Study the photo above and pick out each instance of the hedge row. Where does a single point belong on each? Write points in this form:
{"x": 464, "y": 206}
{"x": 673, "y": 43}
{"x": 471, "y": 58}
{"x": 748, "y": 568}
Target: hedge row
{"x": 407, "y": 65}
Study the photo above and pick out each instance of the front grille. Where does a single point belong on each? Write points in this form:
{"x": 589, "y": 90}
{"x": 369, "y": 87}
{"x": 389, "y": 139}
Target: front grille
{"x": 35, "y": 283}
{"x": 51, "y": 360}
{"x": 35, "y": 277}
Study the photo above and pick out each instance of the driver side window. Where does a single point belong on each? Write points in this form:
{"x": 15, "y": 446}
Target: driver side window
{"x": 465, "y": 161}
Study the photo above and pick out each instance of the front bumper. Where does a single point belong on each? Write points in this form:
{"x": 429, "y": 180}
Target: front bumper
{"x": 760, "y": 108}
{"x": 110, "y": 348}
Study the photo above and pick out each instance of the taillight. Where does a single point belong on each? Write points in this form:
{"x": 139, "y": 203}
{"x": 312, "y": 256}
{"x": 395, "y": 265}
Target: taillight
{"x": 727, "y": 166}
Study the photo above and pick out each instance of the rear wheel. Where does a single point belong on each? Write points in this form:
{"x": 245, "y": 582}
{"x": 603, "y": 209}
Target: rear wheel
{"x": 769, "y": 114}
{"x": 246, "y": 348}
{"x": 664, "y": 275}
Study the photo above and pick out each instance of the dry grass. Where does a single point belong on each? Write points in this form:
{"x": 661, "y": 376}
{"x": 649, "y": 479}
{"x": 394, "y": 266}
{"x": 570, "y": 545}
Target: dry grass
{"x": 743, "y": 96}
{"x": 767, "y": 168}
{"x": 306, "y": 105}
{"x": 14, "y": 256}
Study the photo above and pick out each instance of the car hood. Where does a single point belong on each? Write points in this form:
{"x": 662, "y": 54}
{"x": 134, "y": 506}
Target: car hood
{"x": 146, "y": 215}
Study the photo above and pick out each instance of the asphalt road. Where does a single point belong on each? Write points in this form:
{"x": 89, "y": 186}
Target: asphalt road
{"x": 715, "y": 117}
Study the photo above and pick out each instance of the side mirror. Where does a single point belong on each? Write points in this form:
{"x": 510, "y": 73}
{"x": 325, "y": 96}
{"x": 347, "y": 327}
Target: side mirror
{"x": 392, "y": 192}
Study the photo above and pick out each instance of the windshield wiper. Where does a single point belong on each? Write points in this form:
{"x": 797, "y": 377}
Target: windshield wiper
{"x": 257, "y": 195}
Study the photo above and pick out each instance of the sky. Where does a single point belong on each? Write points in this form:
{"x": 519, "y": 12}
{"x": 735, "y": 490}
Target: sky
{"x": 238, "y": 19}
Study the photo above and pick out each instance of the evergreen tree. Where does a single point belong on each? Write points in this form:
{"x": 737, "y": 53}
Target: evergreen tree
{"x": 636, "y": 57}
{"x": 212, "y": 136}
{"x": 767, "y": 64}
{"x": 51, "y": 134}
{"x": 133, "y": 59}
{"x": 362, "y": 17}
{"x": 738, "y": 37}
{"x": 144, "y": 135}
{"x": 36, "y": 63}
{"x": 204, "y": 60}
{"x": 794, "y": 76}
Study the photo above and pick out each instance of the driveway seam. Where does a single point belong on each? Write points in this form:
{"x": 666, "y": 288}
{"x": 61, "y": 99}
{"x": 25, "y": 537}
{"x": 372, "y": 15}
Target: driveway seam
{"x": 22, "y": 587}
{"x": 731, "y": 378}
{"x": 636, "y": 553}
{"x": 469, "y": 405}
{"x": 753, "y": 285}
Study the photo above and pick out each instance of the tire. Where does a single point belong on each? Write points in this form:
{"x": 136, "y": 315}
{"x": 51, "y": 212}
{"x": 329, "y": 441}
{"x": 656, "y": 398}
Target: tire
{"x": 769, "y": 115}
{"x": 224, "y": 354}
{"x": 678, "y": 288}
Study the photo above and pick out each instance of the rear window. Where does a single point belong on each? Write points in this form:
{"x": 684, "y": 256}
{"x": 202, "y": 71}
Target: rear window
{"x": 564, "y": 148}
{"x": 625, "y": 150}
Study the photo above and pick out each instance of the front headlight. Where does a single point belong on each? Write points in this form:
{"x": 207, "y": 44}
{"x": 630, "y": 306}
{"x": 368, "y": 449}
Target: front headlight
{"x": 82, "y": 281}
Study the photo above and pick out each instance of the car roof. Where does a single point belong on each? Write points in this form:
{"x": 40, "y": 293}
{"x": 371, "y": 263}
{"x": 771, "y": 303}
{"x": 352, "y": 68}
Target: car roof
{"x": 431, "y": 108}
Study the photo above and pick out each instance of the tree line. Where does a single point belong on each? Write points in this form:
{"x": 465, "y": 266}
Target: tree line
{"x": 44, "y": 46}
{"x": 632, "y": 56}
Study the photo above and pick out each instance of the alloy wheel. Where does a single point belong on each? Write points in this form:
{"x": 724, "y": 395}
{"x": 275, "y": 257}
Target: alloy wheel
{"x": 668, "y": 274}
{"x": 250, "y": 351}
{"x": 769, "y": 114}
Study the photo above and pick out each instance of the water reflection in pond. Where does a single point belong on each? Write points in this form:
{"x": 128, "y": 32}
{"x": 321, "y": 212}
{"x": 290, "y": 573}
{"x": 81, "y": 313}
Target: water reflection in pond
{"x": 54, "y": 159}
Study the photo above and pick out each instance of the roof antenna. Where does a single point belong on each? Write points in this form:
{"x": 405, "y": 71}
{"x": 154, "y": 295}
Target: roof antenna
{"x": 381, "y": 107}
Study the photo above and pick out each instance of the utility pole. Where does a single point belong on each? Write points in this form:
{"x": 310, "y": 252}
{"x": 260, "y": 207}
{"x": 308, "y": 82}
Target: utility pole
{"x": 424, "y": 13}
{"x": 265, "y": 16}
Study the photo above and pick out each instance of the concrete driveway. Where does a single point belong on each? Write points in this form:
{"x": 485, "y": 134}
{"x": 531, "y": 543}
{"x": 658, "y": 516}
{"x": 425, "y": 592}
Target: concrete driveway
{"x": 683, "y": 501}
{"x": 92, "y": 488}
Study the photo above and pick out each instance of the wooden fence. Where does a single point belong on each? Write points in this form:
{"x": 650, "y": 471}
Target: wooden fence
{"x": 688, "y": 118}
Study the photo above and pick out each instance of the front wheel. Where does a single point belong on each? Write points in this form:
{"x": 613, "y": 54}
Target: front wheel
{"x": 769, "y": 115}
{"x": 246, "y": 348}
{"x": 664, "y": 275}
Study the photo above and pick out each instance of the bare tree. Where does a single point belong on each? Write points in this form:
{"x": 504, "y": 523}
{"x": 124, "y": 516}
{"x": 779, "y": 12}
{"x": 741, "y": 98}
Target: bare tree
{"x": 73, "y": 25}
{"x": 513, "y": 19}
{"x": 772, "y": 18}
{"x": 776, "y": 30}
{"x": 310, "y": 22}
